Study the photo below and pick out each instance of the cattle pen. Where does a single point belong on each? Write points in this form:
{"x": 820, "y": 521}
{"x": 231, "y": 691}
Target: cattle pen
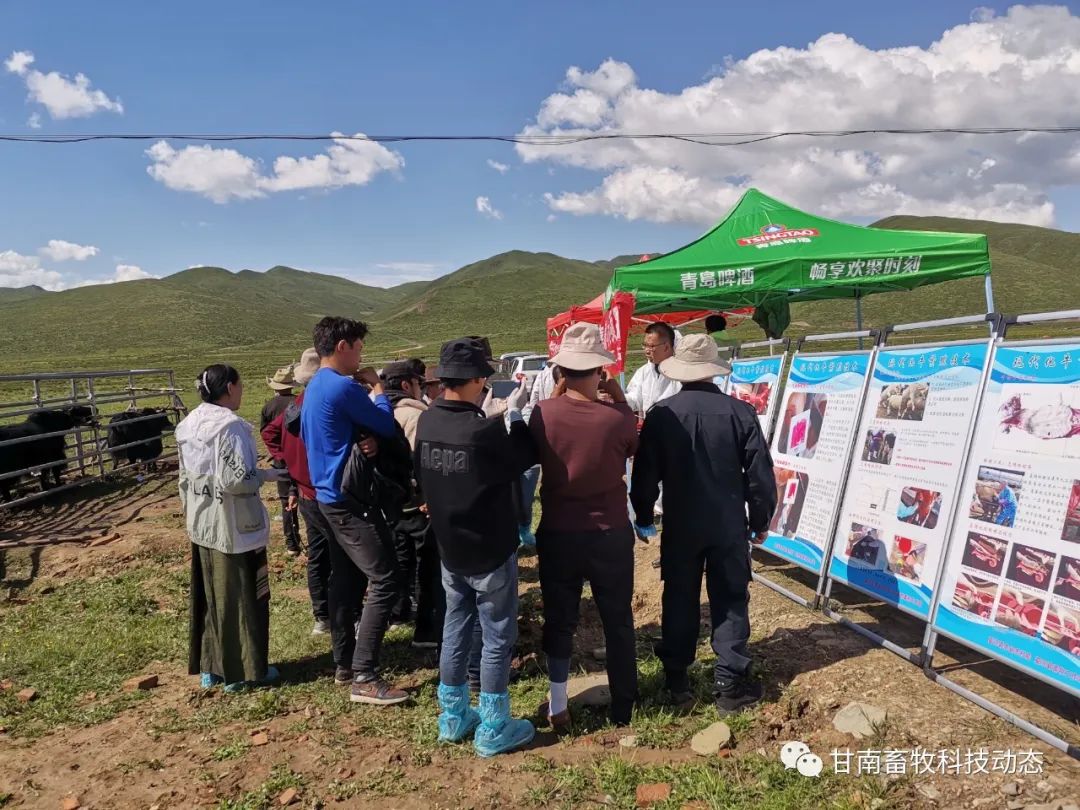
{"x": 90, "y": 448}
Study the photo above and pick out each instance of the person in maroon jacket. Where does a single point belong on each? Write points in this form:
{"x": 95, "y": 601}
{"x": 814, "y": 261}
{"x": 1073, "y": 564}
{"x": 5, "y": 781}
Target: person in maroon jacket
{"x": 584, "y": 532}
{"x": 282, "y": 439}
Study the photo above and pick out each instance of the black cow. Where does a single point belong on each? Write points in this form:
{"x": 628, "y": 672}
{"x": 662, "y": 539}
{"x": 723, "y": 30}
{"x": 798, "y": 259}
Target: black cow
{"x": 41, "y": 451}
{"x": 146, "y": 431}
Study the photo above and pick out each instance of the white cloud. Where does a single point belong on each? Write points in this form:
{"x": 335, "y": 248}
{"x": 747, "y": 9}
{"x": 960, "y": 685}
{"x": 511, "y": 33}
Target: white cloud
{"x": 17, "y": 270}
{"x": 484, "y": 207}
{"x": 501, "y": 168}
{"x": 19, "y": 62}
{"x": 60, "y": 251}
{"x": 124, "y": 272}
{"x": 1019, "y": 68}
{"x": 62, "y": 96}
{"x": 34, "y": 121}
{"x": 222, "y": 174}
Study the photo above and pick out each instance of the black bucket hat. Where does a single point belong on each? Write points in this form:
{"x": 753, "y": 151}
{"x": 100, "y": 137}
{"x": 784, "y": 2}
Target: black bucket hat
{"x": 463, "y": 359}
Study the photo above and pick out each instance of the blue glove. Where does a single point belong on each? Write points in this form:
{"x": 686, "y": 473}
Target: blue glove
{"x": 645, "y": 533}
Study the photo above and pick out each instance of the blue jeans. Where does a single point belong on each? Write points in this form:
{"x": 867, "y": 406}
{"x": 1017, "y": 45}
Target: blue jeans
{"x": 529, "y": 479}
{"x": 492, "y": 600}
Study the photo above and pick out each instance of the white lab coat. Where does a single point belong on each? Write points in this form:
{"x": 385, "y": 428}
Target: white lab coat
{"x": 647, "y": 387}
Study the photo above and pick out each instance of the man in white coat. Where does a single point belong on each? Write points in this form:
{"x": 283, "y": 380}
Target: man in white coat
{"x": 648, "y": 386}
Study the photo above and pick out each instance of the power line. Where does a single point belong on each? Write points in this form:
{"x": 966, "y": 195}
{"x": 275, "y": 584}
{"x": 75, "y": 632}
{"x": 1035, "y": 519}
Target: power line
{"x": 699, "y": 138}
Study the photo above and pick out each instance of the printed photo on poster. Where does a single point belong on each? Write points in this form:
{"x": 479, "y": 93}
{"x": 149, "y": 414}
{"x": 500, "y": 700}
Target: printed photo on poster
{"x": 1040, "y": 419}
{"x": 1070, "y": 531}
{"x": 754, "y": 394}
{"x": 790, "y": 497}
{"x": 1062, "y": 628}
{"x": 997, "y": 496}
{"x": 898, "y": 401}
{"x": 878, "y": 446}
{"x": 985, "y": 553}
{"x": 919, "y": 507}
{"x": 864, "y": 545}
{"x": 1031, "y": 566}
{"x": 1020, "y": 610}
{"x": 1067, "y": 582}
{"x": 974, "y": 594}
{"x": 800, "y": 428}
{"x": 907, "y": 557}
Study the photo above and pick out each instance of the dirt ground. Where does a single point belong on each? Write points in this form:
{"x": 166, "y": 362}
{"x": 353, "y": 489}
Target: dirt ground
{"x": 177, "y": 746}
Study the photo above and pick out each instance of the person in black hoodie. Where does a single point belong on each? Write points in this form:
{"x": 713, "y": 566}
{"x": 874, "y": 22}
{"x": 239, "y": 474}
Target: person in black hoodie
{"x": 414, "y": 541}
{"x": 467, "y": 466}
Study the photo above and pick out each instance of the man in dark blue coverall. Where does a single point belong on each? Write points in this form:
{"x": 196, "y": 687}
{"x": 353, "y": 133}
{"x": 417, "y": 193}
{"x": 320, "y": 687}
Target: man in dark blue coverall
{"x": 708, "y": 451}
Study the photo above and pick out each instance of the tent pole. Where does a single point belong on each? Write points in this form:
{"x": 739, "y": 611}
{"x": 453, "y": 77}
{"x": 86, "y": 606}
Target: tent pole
{"x": 858, "y": 314}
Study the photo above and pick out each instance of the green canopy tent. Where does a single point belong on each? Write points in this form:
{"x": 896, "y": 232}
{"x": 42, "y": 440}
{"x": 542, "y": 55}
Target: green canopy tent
{"x": 766, "y": 254}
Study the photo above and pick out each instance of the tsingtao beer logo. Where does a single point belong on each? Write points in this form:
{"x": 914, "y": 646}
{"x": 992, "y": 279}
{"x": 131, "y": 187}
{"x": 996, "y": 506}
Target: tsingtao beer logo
{"x": 777, "y": 234}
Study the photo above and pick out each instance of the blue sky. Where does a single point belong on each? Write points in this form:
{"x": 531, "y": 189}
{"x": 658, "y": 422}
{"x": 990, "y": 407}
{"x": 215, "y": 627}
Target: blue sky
{"x": 462, "y": 68}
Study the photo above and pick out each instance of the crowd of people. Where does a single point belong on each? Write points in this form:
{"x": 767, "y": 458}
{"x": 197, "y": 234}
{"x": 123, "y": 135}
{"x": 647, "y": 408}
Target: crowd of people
{"x": 415, "y": 488}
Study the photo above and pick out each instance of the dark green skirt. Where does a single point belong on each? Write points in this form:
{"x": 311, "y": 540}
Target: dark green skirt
{"x": 230, "y": 614}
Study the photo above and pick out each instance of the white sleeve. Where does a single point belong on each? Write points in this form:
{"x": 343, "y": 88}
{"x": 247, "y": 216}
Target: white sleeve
{"x": 633, "y": 391}
{"x": 237, "y": 463}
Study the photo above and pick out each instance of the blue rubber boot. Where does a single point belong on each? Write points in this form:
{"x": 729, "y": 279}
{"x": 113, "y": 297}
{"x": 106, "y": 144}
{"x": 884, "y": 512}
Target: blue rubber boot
{"x": 458, "y": 719}
{"x": 525, "y": 537}
{"x": 498, "y": 733}
{"x": 272, "y": 676}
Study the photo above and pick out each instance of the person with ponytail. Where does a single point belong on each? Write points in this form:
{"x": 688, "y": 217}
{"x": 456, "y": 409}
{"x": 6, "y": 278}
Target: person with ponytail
{"x": 229, "y": 529}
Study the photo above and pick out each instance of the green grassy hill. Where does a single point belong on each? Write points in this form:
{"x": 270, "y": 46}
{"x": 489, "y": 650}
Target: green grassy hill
{"x": 9, "y": 295}
{"x": 260, "y": 321}
{"x": 507, "y": 298}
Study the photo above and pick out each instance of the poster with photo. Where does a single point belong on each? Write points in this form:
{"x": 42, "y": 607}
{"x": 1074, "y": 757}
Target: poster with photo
{"x": 1011, "y": 582}
{"x": 810, "y": 448}
{"x": 756, "y": 381}
{"x": 903, "y": 482}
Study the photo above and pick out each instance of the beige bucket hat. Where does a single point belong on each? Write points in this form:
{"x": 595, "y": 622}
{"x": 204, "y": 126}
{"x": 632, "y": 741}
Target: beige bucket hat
{"x": 582, "y": 348}
{"x": 306, "y": 368}
{"x": 696, "y": 358}
{"x": 282, "y": 379}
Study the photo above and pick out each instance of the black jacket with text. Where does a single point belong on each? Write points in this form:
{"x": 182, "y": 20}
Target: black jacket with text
{"x": 468, "y": 466}
{"x": 709, "y": 452}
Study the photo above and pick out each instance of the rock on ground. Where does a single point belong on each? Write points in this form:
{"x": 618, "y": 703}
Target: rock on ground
{"x": 858, "y": 719}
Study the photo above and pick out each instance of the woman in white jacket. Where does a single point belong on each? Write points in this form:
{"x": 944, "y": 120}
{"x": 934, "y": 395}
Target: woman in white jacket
{"x": 229, "y": 529}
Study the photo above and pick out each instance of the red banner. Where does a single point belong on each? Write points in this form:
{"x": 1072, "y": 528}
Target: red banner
{"x": 615, "y": 329}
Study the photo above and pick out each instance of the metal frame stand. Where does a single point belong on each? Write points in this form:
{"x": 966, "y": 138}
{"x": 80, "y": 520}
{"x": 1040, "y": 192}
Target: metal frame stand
{"x": 814, "y": 602}
{"x": 919, "y": 656}
{"x": 932, "y": 634}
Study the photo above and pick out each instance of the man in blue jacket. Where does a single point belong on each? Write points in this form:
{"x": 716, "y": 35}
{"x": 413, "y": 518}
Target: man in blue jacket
{"x": 336, "y": 411}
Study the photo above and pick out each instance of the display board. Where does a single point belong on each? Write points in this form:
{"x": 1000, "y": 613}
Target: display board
{"x": 1011, "y": 582}
{"x": 756, "y": 381}
{"x": 810, "y": 449}
{"x": 902, "y": 486}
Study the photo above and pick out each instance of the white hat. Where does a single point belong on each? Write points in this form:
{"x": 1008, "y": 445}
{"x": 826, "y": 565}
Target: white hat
{"x": 696, "y": 358}
{"x": 306, "y": 368}
{"x": 582, "y": 348}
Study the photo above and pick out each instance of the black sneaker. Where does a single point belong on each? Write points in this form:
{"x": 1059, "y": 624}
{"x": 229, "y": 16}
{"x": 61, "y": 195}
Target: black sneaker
{"x": 343, "y": 676}
{"x": 735, "y": 696}
{"x": 677, "y": 691}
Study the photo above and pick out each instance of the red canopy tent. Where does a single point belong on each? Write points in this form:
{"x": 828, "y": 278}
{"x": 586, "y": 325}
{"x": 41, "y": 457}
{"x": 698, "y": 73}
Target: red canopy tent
{"x": 593, "y": 312}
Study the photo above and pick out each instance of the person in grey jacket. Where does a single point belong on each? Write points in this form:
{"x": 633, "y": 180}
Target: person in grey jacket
{"x": 229, "y": 528}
